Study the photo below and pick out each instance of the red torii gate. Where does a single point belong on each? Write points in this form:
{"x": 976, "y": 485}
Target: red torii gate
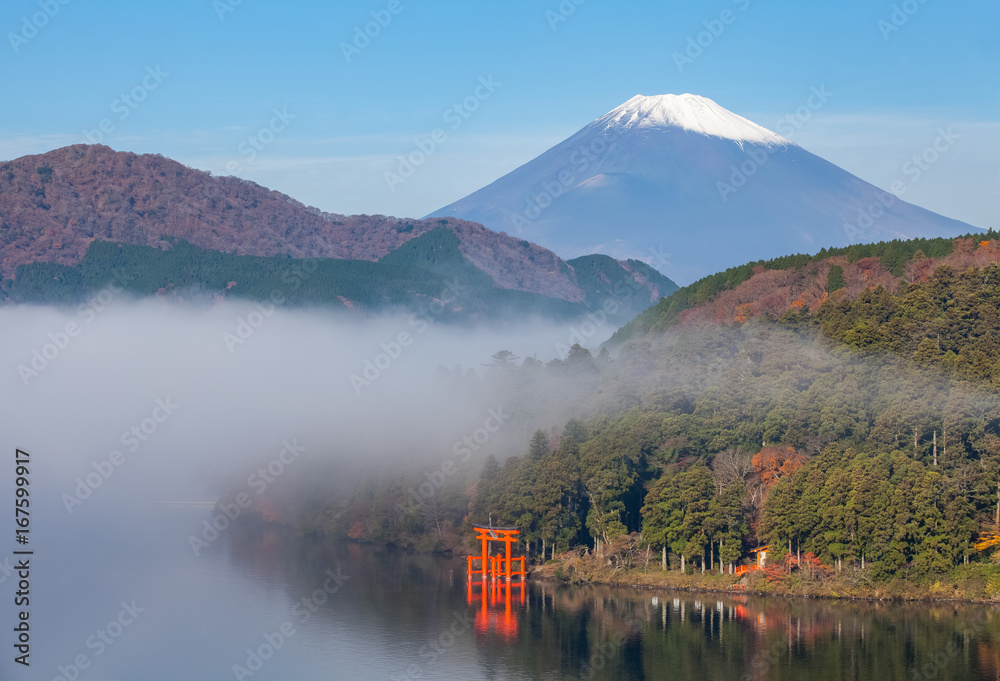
{"x": 496, "y": 565}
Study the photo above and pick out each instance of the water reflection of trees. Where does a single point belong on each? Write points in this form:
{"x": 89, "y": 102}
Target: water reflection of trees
{"x": 736, "y": 636}
{"x": 600, "y": 632}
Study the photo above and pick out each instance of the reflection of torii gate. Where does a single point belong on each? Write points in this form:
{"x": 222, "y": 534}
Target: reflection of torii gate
{"x": 495, "y": 566}
{"x": 505, "y": 623}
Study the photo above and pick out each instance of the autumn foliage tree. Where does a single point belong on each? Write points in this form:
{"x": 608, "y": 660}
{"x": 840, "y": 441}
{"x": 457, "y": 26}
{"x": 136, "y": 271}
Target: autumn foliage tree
{"x": 774, "y": 462}
{"x": 809, "y": 566}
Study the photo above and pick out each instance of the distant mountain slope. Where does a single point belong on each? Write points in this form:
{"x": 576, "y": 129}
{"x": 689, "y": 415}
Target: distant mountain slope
{"x": 678, "y": 178}
{"x": 427, "y": 275}
{"x": 609, "y": 282}
{"x": 53, "y": 205}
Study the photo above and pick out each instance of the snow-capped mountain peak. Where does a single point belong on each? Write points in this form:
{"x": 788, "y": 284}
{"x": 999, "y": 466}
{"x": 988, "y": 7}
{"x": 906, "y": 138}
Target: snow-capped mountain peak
{"x": 679, "y": 174}
{"x": 689, "y": 112}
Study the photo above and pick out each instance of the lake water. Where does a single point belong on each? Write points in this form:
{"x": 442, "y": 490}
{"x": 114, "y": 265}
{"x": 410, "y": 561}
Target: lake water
{"x": 118, "y": 600}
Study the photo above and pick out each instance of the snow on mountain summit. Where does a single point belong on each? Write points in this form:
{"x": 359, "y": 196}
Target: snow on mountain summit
{"x": 689, "y": 112}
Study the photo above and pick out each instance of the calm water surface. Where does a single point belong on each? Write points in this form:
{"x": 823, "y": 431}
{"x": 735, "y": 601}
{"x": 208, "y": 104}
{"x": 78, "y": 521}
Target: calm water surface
{"x": 285, "y": 608}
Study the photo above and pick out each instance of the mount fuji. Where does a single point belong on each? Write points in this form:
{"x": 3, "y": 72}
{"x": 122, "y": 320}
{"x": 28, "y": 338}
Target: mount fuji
{"x": 691, "y": 188}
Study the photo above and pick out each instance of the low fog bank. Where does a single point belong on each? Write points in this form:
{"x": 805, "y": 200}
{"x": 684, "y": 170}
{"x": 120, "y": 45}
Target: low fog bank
{"x": 146, "y": 401}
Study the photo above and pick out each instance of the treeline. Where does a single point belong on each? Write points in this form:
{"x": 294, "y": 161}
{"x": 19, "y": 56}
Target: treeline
{"x": 894, "y": 255}
{"x": 886, "y": 511}
{"x": 879, "y": 467}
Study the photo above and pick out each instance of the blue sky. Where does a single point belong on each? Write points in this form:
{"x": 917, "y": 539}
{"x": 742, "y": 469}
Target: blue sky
{"x": 211, "y": 73}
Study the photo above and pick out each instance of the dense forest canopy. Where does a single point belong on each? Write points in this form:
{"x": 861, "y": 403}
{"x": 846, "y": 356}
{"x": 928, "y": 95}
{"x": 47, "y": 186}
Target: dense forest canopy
{"x": 860, "y": 437}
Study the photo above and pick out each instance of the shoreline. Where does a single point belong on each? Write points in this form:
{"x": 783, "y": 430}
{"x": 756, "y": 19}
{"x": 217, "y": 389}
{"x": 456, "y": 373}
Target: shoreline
{"x": 764, "y": 594}
{"x": 571, "y": 569}
{"x": 832, "y": 589}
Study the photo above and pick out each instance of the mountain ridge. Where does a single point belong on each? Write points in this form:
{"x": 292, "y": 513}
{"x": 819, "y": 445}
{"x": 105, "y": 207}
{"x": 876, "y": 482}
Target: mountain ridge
{"x": 53, "y": 205}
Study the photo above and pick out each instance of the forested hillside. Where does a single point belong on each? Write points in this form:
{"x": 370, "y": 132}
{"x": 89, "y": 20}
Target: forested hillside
{"x": 427, "y": 268}
{"x": 794, "y": 282}
{"x": 861, "y": 437}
